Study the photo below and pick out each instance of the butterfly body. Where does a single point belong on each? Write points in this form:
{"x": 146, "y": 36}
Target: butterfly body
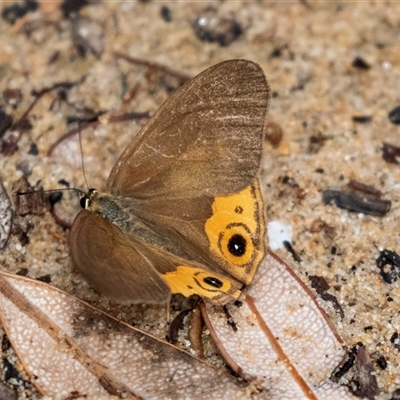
{"x": 184, "y": 212}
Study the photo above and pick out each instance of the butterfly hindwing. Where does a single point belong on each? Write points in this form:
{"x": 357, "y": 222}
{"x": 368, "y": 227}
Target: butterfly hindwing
{"x": 112, "y": 264}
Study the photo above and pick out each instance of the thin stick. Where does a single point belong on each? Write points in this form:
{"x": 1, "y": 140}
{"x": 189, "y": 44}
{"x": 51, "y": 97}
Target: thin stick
{"x": 150, "y": 64}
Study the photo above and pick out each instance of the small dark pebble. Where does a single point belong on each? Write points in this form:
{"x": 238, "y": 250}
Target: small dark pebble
{"x": 55, "y": 197}
{"x": 166, "y": 14}
{"x": 287, "y": 180}
{"x": 381, "y": 362}
{"x": 394, "y": 116}
{"x": 53, "y": 58}
{"x": 22, "y": 236}
{"x": 368, "y": 328}
{"x": 33, "y": 149}
{"x": 316, "y": 142}
{"x": 64, "y": 183}
{"x": 16, "y": 11}
{"x": 45, "y": 278}
{"x": 389, "y": 264}
{"x": 395, "y": 339}
{"x": 9, "y": 370}
{"x": 360, "y": 63}
{"x": 211, "y": 27}
{"x": 23, "y": 272}
{"x": 87, "y": 36}
{"x": 273, "y": 133}
{"x": 277, "y": 51}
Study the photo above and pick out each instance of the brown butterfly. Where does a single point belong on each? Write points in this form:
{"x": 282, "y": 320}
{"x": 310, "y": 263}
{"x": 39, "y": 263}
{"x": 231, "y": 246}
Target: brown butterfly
{"x": 184, "y": 212}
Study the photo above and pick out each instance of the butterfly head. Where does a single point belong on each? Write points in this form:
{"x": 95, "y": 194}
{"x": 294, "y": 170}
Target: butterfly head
{"x": 89, "y": 199}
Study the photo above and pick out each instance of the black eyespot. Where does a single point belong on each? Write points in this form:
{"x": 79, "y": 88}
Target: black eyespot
{"x": 210, "y": 280}
{"x": 237, "y": 245}
{"x": 83, "y": 202}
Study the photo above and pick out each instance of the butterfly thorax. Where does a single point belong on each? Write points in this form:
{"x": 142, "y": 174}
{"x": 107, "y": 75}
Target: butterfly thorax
{"x": 105, "y": 205}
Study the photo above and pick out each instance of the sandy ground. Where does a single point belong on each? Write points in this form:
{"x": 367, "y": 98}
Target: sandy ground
{"x": 309, "y": 52}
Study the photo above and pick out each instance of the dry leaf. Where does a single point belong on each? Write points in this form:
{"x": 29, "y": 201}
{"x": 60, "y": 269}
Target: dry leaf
{"x": 69, "y": 349}
{"x": 283, "y": 338}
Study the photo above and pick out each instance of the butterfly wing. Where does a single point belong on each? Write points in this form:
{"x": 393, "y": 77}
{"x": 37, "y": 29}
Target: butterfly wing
{"x": 192, "y": 169}
{"x": 113, "y": 265}
{"x": 122, "y": 267}
{"x": 205, "y": 139}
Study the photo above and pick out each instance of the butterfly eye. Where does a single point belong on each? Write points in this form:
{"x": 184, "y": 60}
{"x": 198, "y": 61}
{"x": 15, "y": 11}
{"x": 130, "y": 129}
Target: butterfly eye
{"x": 84, "y": 202}
{"x": 215, "y": 282}
{"x": 237, "y": 245}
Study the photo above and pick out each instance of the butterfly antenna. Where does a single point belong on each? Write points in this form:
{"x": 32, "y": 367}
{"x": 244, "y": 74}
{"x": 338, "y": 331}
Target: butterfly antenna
{"x": 80, "y": 192}
{"x": 82, "y": 163}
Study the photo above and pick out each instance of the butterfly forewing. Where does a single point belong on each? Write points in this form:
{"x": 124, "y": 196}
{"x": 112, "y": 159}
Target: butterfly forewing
{"x": 205, "y": 140}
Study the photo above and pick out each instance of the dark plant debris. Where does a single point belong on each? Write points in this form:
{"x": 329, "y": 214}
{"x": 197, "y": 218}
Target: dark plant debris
{"x": 369, "y": 203}
{"x": 175, "y": 326}
{"x": 362, "y": 119}
{"x": 391, "y": 153}
{"x": 321, "y": 286}
{"x": 346, "y": 366}
{"x": 362, "y": 187}
{"x": 367, "y": 383}
{"x": 29, "y": 199}
{"x": 6, "y": 121}
{"x": 291, "y": 250}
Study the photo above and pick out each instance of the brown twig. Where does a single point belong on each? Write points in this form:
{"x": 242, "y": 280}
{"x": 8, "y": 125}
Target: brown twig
{"x": 150, "y": 64}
